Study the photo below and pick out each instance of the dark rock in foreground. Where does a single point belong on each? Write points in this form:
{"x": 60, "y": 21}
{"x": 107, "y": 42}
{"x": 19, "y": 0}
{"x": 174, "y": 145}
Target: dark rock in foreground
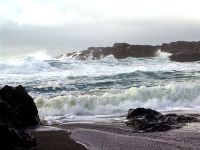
{"x": 118, "y": 50}
{"x": 17, "y": 111}
{"x": 147, "y": 120}
{"x": 22, "y": 104}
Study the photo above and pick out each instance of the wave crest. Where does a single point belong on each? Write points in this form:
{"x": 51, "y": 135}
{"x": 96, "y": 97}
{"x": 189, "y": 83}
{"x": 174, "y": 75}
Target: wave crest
{"x": 112, "y": 102}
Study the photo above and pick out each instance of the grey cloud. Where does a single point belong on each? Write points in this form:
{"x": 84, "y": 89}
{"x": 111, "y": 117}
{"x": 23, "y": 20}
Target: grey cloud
{"x": 59, "y": 39}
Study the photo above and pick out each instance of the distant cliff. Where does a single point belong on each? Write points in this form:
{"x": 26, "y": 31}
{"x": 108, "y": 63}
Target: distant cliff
{"x": 181, "y": 51}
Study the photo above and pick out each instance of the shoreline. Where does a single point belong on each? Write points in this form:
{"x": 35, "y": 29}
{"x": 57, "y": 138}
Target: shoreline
{"x": 103, "y": 137}
{"x": 116, "y": 135}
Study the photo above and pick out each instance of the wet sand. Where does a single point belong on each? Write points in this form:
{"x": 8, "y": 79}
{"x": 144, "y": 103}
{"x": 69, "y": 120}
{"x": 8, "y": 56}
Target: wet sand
{"x": 106, "y": 137}
{"x": 115, "y": 136}
{"x": 100, "y": 140}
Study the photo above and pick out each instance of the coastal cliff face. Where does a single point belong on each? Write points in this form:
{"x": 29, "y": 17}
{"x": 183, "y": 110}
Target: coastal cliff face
{"x": 182, "y": 51}
{"x": 118, "y": 50}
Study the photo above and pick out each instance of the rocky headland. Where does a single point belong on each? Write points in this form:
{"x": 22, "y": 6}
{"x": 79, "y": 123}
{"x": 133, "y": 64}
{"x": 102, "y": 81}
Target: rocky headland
{"x": 118, "y": 50}
{"x": 181, "y": 51}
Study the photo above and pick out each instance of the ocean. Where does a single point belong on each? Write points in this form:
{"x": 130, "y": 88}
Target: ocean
{"x": 67, "y": 90}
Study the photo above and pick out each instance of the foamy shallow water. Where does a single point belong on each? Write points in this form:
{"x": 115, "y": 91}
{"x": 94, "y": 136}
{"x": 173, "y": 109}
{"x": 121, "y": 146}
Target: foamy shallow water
{"x": 68, "y": 90}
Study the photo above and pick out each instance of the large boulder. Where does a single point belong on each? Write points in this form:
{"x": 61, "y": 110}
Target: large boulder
{"x": 148, "y": 120}
{"x": 12, "y": 134}
{"x": 118, "y": 50}
{"x": 21, "y": 103}
{"x": 182, "y": 51}
{"x": 17, "y": 111}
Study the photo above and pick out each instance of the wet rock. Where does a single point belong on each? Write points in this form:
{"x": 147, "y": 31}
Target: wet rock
{"x": 141, "y": 112}
{"x": 148, "y": 120}
{"x": 118, "y": 50}
{"x": 182, "y": 51}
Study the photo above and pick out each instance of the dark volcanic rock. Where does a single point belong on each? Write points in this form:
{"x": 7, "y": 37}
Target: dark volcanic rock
{"x": 118, "y": 50}
{"x": 147, "y": 120}
{"x": 148, "y": 113}
{"x": 17, "y": 111}
{"x": 183, "y": 51}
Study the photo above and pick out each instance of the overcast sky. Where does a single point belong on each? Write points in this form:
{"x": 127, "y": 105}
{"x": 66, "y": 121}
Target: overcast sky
{"x": 59, "y": 26}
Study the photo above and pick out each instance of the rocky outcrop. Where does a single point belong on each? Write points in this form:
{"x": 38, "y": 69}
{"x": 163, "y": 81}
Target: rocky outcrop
{"x": 181, "y": 47}
{"x": 183, "y": 51}
{"x": 17, "y": 111}
{"x": 147, "y": 120}
{"x": 118, "y": 50}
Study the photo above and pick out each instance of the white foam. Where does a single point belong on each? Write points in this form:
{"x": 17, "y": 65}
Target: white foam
{"x": 168, "y": 97}
{"x": 163, "y": 55}
{"x": 36, "y": 63}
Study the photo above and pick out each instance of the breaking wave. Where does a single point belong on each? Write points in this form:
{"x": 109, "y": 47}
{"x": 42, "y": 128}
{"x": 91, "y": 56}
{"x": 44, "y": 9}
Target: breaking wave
{"x": 30, "y": 63}
{"x": 41, "y": 62}
{"x": 111, "y": 102}
{"x": 65, "y": 88}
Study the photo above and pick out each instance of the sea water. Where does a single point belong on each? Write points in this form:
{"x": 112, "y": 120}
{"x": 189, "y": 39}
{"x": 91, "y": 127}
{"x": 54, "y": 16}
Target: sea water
{"x": 66, "y": 90}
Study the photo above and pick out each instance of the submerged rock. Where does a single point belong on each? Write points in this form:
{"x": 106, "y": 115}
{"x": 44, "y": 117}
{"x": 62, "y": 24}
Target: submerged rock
{"x": 148, "y": 120}
{"x": 17, "y": 111}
